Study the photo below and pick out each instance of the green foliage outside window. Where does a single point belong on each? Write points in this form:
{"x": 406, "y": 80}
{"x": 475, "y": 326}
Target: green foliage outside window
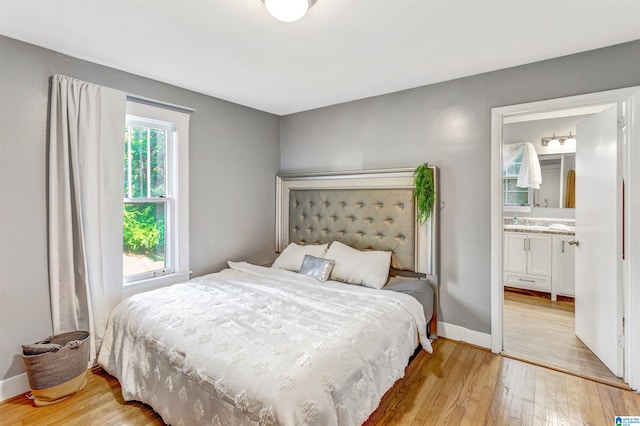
{"x": 144, "y": 177}
{"x": 143, "y": 231}
{"x": 146, "y": 149}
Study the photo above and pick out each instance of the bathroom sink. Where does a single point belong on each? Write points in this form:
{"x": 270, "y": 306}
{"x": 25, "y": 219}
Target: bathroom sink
{"x": 561, "y": 227}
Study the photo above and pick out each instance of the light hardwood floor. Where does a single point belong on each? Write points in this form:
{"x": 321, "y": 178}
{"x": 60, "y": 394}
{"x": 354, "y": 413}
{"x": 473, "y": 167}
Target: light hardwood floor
{"x": 458, "y": 385}
{"x": 541, "y": 331}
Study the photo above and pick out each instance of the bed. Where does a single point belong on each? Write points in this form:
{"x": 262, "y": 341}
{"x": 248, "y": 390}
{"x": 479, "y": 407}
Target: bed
{"x": 266, "y": 345}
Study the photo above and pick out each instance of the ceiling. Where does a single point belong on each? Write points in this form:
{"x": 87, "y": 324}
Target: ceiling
{"x": 340, "y": 51}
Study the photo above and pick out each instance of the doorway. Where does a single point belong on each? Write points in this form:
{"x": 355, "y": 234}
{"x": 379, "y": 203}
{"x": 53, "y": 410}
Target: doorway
{"x": 539, "y": 264}
{"x": 539, "y": 111}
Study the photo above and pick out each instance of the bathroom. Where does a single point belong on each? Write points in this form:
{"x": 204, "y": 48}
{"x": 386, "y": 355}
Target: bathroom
{"x": 539, "y": 242}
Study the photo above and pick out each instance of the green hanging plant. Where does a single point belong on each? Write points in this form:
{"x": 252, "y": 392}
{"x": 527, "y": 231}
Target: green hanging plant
{"x": 424, "y": 193}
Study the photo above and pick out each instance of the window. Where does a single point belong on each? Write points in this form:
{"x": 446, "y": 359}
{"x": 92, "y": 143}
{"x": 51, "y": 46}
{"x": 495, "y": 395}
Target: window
{"x": 155, "y": 195}
{"x": 514, "y": 195}
{"x": 147, "y": 198}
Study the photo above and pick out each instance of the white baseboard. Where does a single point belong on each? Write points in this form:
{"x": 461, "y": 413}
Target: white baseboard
{"x": 13, "y": 386}
{"x": 456, "y": 332}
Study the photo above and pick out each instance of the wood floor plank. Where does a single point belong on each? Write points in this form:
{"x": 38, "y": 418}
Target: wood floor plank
{"x": 435, "y": 379}
{"x": 594, "y": 398}
{"x": 453, "y": 408}
{"x": 517, "y": 393}
{"x": 528, "y": 395}
{"x": 540, "y": 399}
{"x": 611, "y": 401}
{"x": 484, "y": 386}
{"x": 609, "y": 406}
{"x": 496, "y": 414}
{"x": 448, "y": 392}
{"x": 468, "y": 388}
{"x": 632, "y": 403}
{"x": 551, "y": 413}
{"x": 580, "y": 410}
{"x": 458, "y": 384}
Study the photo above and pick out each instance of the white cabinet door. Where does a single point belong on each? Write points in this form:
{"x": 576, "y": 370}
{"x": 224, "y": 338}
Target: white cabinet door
{"x": 539, "y": 254}
{"x": 527, "y": 261}
{"x": 563, "y": 267}
{"x": 515, "y": 255}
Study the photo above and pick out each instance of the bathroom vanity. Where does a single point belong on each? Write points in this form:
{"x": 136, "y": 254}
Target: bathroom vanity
{"x": 539, "y": 255}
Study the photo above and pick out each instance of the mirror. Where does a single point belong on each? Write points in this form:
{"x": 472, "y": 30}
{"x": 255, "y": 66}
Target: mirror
{"x": 558, "y": 187}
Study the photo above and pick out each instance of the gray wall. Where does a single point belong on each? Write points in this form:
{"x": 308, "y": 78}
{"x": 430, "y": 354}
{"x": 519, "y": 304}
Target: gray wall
{"x": 448, "y": 125}
{"x": 234, "y": 157}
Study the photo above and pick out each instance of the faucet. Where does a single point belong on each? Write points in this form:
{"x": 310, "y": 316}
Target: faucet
{"x": 515, "y": 218}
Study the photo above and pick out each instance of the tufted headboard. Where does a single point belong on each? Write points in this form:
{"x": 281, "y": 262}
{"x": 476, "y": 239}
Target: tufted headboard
{"x": 366, "y": 210}
{"x": 366, "y": 219}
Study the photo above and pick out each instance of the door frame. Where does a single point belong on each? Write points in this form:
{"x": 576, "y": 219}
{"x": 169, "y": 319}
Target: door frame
{"x": 631, "y": 269}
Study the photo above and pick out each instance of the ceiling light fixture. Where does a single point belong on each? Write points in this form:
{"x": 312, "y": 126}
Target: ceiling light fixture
{"x": 288, "y": 10}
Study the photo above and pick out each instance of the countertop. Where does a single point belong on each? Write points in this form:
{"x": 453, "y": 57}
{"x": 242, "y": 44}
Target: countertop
{"x": 541, "y": 229}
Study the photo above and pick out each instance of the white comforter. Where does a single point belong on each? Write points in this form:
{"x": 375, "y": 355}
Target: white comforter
{"x": 255, "y": 345}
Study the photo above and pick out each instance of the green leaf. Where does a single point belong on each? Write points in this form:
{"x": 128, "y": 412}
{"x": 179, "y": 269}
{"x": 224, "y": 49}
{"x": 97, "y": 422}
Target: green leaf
{"x": 424, "y": 193}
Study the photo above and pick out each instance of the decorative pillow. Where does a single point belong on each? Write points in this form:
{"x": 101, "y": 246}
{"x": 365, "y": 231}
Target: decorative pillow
{"x": 368, "y": 268}
{"x": 291, "y": 257}
{"x": 316, "y": 267}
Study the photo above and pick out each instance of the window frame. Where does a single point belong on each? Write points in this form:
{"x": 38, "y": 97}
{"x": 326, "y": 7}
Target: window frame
{"x": 176, "y": 197}
{"x": 167, "y": 200}
{"x": 510, "y": 177}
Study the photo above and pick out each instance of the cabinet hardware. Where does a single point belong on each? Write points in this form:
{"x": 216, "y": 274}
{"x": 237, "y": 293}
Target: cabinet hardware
{"x": 563, "y": 245}
{"x": 529, "y": 281}
{"x": 574, "y": 243}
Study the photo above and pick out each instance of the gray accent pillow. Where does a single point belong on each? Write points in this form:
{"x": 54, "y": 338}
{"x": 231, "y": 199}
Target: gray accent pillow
{"x": 316, "y": 267}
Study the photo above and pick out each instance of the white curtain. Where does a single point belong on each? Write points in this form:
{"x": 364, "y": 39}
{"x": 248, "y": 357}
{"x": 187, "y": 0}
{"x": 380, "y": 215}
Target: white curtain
{"x": 85, "y": 159}
{"x": 530, "y": 175}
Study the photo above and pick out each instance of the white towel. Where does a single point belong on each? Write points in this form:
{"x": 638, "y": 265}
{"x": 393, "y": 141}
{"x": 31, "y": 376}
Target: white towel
{"x": 530, "y": 175}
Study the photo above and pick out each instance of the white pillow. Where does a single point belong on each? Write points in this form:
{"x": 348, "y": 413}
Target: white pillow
{"x": 291, "y": 257}
{"x": 368, "y": 268}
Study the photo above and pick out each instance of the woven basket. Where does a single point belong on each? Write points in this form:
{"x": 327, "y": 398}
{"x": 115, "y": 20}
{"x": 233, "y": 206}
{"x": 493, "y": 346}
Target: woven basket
{"x": 57, "y": 366}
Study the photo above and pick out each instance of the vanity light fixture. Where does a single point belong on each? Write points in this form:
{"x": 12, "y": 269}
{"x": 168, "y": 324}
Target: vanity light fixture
{"x": 558, "y": 140}
{"x": 288, "y": 10}
{"x": 553, "y": 141}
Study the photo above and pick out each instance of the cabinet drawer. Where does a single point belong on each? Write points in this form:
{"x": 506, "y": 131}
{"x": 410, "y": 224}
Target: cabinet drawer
{"x": 528, "y": 282}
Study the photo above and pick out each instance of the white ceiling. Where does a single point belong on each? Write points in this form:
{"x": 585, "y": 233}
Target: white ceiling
{"x": 340, "y": 51}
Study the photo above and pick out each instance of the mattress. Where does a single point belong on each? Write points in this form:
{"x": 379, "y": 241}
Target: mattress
{"x": 420, "y": 289}
{"x": 258, "y": 346}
